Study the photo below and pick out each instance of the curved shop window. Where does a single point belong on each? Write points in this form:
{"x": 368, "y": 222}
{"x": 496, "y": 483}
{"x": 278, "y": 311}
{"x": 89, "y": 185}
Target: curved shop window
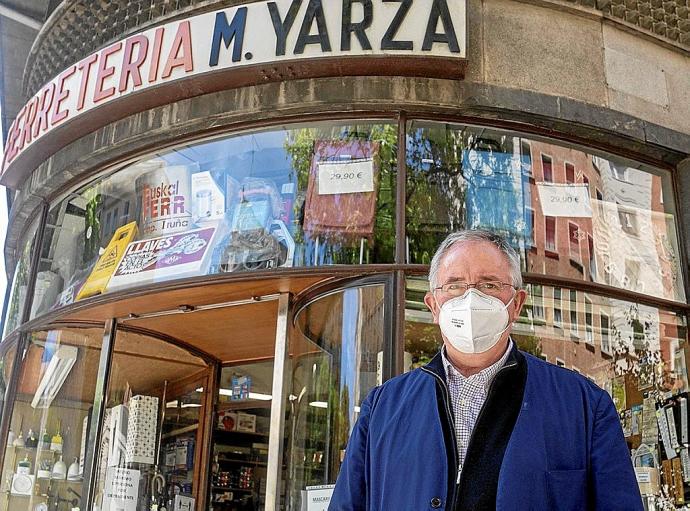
{"x": 292, "y": 196}
{"x": 8, "y": 350}
{"x": 48, "y": 430}
{"x": 569, "y": 212}
{"x": 336, "y": 359}
{"x": 638, "y": 353}
{"x": 20, "y": 281}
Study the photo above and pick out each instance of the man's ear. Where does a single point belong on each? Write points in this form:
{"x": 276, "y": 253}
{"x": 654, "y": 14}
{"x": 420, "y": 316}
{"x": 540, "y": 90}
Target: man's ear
{"x": 519, "y": 301}
{"x": 430, "y": 302}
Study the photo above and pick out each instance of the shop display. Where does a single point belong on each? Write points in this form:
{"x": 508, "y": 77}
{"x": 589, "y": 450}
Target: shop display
{"x": 344, "y": 206}
{"x": 176, "y": 256}
{"x": 209, "y": 199}
{"x": 165, "y": 197}
{"x": 97, "y": 282}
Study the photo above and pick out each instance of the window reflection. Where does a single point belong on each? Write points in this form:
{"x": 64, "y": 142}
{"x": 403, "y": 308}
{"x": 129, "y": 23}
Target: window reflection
{"x": 574, "y": 214}
{"x": 46, "y": 448}
{"x": 337, "y": 355}
{"x": 294, "y": 196}
{"x": 20, "y": 281}
{"x": 637, "y": 353}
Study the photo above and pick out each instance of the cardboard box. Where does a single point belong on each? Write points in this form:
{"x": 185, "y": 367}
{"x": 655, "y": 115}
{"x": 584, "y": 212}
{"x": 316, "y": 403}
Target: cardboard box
{"x": 246, "y": 422}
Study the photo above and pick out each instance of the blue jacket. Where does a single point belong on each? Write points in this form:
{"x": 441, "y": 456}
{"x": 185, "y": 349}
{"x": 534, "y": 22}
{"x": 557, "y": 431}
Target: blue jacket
{"x": 546, "y": 439}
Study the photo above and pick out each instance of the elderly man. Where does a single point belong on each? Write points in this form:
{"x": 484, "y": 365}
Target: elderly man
{"x": 484, "y": 426}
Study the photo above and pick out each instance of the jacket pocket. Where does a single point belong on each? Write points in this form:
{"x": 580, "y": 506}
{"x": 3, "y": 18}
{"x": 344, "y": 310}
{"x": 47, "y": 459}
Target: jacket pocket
{"x": 567, "y": 490}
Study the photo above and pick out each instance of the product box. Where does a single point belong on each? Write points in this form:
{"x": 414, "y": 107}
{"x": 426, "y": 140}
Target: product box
{"x": 185, "y": 254}
{"x": 227, "y": 421}
{"x": 246, "y": 422}
{"x": 141, "y": 429}
{"x": 184, "y": 453}
{"x": 209, "y": 200}
{"x": 117, "y": 442}
{"x": 98, "y": 280}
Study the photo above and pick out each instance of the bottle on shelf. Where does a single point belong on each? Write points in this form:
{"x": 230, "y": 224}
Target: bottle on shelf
{"x": 24, "y": 466}
{"x": 45, "y": 440}
{"x": 56, "y": 441}
{"x": 31, "y": 439}
{"x": 19, "y": 441}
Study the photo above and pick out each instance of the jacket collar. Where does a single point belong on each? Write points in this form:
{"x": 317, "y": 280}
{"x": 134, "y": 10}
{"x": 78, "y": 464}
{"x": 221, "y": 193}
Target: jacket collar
{"x": 436, "y": 363}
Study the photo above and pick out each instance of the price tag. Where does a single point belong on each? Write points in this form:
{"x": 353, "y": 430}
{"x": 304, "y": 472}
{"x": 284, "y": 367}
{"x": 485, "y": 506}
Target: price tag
{"x": 346, "y": 177}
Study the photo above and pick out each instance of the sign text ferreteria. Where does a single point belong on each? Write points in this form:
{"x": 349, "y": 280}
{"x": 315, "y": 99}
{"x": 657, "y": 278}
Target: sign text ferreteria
{"x": 258, "y": 33}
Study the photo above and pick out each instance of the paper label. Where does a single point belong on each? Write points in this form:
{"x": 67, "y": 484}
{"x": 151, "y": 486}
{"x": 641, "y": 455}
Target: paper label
{"x": 569, "y": 200}
{"x": 346, "y": 177}
{"x": 121, "y": 491}
{"x": 672, "y": 427}
{"x": 643, "y": 477}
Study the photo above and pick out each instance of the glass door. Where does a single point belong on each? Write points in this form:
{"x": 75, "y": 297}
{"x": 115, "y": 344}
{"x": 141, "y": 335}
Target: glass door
{"x": 336, "y": 357}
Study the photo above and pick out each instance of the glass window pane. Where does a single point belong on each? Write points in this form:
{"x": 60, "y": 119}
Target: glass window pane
{"x": 20, "y": 281}
{"x": 45, "y": 457}
{"x": 579, "y": 215}
{"x": 151, "y": 425}
{"x": 240, "y": 438}
{"x": 637, "y": 353}
{"x": 293, "y": 196}
{"x": 8, "y": 351}
{"x": 336, "y": 359}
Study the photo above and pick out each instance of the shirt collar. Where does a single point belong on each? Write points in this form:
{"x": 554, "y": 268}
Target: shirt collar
{"x": 485, "y": 376}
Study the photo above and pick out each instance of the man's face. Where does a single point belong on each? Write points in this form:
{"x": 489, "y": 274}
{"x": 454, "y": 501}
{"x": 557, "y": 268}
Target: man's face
{"x": 473, "y": 262}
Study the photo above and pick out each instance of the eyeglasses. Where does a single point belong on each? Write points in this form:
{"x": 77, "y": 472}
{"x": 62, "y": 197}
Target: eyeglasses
{"x": 492, "y": 288}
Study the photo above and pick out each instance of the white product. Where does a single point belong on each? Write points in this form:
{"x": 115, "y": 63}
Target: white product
{"x": 141, "y": 429}
{"x": 73, "y": 473}
{"x": 118, "y": 436}
{"x": 208, "y": 197}
{"x": 59, "y": 470}
{"x": 22, "y": 484}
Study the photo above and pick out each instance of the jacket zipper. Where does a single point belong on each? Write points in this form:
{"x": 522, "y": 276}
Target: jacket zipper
{"x": 454, "y": 445}
{"x": 449, "y": 415}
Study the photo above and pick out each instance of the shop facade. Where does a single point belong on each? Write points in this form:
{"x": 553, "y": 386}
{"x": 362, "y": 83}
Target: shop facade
{"x": 225, "y": 212}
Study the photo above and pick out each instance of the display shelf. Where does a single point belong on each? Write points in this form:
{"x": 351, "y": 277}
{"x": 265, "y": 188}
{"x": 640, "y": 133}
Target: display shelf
{"x": 223, "y": 432}
{"x": 180, "y": 431}
{"x": 223, "y": 488}
{"x": 244, "y": 404}
{"x": 243, "y": 462}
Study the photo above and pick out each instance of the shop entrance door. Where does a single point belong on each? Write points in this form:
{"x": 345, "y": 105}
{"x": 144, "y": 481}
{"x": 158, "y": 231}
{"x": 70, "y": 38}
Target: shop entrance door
{"x": 219, "y": 435}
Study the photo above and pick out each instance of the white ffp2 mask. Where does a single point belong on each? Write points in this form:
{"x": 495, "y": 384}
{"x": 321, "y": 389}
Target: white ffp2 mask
{"x": 474, "y": 322}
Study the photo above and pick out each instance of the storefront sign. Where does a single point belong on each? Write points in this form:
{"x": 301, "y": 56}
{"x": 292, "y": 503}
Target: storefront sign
{"x": 264, "y": 34}
{"x": 346, "y": 177}
{"x": 569, "y": 200}
{"x": 121, "y": 490}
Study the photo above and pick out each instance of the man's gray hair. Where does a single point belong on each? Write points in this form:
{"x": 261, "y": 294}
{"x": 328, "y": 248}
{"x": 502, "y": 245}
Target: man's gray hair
{"x": 474, "y": 236}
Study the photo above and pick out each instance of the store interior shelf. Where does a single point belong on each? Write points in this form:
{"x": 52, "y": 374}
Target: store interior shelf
{"x": 247, "y": 434}
{"x": 244, "y": 404}
{"x": 181, "y": 431}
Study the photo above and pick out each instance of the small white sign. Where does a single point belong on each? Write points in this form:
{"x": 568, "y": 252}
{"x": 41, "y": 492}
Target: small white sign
{"x": 346, "y": 177}
{"x": 569, "y": 200}
{"x": 183, "y": 503}
{"x": 317, "y": 498}
{"x": 121, "y": 491}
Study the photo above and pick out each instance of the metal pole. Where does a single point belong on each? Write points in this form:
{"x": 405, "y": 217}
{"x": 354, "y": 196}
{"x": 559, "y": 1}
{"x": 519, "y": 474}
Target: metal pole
{"x": 278, "y": 406}
{"x": 96, "y": 420}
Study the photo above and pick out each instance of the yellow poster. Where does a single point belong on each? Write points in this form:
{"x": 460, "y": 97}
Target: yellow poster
{"x": 101, "y": 273}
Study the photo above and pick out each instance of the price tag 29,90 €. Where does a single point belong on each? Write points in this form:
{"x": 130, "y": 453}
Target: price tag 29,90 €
{"x": 346, "y": 177}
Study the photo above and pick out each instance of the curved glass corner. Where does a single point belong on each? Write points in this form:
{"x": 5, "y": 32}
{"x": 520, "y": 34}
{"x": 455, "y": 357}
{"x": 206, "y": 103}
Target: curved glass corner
{"x": 336, "y": 359}
{"x": 292, "y": 196}
{"x": 20, "y": 280}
